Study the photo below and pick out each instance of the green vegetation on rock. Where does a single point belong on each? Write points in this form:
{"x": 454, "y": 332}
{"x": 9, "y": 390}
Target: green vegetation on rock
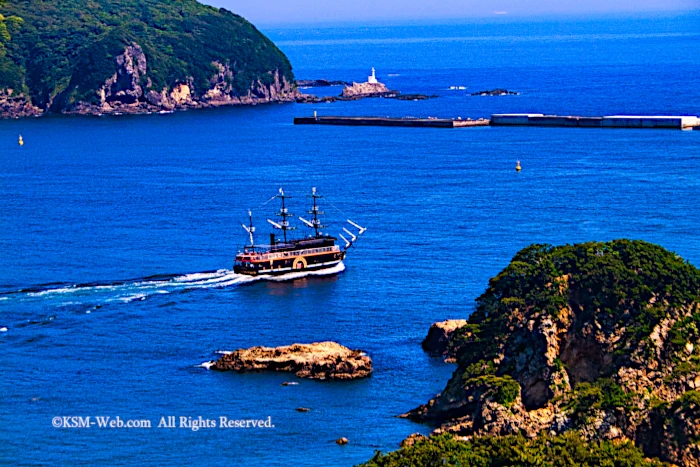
{"x": 9, "y": 25}
{"x": 66, "y": 49}
{"x": 543, "y": 451}
{"x": 603, "y": 394}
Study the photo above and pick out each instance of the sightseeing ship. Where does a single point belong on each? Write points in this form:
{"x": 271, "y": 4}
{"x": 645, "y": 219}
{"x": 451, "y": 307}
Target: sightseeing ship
{"x": 283, "y": 255}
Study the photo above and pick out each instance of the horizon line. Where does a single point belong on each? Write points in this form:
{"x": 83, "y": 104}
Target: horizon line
{"x": 496, "y": 16}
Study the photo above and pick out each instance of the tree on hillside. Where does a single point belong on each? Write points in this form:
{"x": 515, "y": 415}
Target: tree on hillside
{"x": 8, "y": 25}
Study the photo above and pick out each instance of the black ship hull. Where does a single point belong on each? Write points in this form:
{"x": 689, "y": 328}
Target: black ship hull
{"x": 289, "y": 264}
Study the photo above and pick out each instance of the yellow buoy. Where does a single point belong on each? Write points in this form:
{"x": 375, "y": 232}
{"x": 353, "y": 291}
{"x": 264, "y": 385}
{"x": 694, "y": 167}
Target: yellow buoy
{"x": 21, "y": 141}
{"x": 517, "y": 166}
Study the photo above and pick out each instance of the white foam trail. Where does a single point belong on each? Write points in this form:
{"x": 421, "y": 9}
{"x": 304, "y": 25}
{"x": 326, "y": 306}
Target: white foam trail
{"x": 131, "y": 298}
{"x": 224, "y": 352}
{"x": 128, "y": 292}
{"x": 340, "y": 267}
{"x": 235, "y": 279}
{"x": 52, "y": 291}
{"x": 203, "y": 275}
{"x": 207, "y": 365}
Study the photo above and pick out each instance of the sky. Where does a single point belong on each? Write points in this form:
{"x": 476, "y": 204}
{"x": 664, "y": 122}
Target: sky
{"x": 320, "y": 11}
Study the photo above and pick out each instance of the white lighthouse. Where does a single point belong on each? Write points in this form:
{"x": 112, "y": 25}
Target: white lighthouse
{"x": 372, "y": 79}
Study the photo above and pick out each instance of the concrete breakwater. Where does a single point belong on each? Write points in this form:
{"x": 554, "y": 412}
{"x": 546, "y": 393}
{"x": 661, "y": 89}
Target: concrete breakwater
{"x": 615, "y": 121}
{"x": 386, "y": 121}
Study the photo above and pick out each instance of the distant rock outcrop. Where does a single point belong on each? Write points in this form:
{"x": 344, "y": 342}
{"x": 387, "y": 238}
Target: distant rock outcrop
{"x": 599, "y": 338}
{"x": 360, "y": 90}
{"x": 354, "y": 91}
{"x": 496, "y": 92}
{"x": 323, "y": 360}
{"x": 319, "y": 83}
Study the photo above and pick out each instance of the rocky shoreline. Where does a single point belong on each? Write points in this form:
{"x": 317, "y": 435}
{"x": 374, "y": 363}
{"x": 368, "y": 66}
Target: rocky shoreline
{"x": 320, "y": 361}
{"x": 129, "y": 91}
{"x": 16, "y": 105}
{"x": 540, "y": 355}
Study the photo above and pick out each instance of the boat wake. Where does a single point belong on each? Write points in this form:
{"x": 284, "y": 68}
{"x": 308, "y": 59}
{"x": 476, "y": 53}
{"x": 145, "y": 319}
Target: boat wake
{"x": 136, "y": 290}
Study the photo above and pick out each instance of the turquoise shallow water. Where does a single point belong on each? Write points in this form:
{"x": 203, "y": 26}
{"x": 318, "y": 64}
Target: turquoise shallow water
{"x": 111, "y": 202}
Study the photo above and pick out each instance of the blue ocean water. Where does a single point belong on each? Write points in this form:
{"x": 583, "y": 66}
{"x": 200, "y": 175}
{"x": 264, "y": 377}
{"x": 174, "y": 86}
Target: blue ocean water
{"x": 145, "y": 212}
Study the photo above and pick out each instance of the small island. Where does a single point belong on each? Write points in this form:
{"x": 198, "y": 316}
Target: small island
{"x": 496, "y": 92}
{"x": 588, "y": 350}
{"x": 355, "y": 91}
{"x": 321, "y": 361}
{"x": 320, "y": 83}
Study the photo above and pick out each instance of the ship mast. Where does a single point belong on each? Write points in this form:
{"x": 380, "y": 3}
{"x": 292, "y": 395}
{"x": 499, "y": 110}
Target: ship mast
{"x": 249, "y": 228}
{"x": 314, "y": 210}
{"x": 284, "y": 213}
{"x": 316, "y": 222}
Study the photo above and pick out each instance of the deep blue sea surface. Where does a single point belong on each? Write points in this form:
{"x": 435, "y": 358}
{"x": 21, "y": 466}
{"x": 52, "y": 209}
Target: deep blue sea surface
{"x": 109, "y": 203}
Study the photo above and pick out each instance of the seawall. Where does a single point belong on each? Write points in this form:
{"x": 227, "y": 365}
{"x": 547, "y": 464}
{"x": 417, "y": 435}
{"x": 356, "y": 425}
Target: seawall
{"x": 386, "y": 121}
{"x": 615, "y": 121}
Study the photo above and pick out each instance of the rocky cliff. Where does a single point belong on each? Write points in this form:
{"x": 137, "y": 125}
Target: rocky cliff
{"x": 601, "y": 339}
{"x": 108, "y": 57}
{"x": 123, "y": 92}
{"x": 15, "y": 104}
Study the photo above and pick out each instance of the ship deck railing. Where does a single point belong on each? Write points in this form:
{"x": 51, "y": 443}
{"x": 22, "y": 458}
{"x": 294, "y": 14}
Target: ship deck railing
{"x": 293, "y": 254}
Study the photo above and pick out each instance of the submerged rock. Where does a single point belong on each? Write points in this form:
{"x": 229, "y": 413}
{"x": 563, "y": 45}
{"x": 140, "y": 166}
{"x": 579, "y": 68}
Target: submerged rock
{"x": 322, "y": 360}
{"x": 312, "y": 99}
{"x": 319, "y": 83}
{"x": 496, "y": 92}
